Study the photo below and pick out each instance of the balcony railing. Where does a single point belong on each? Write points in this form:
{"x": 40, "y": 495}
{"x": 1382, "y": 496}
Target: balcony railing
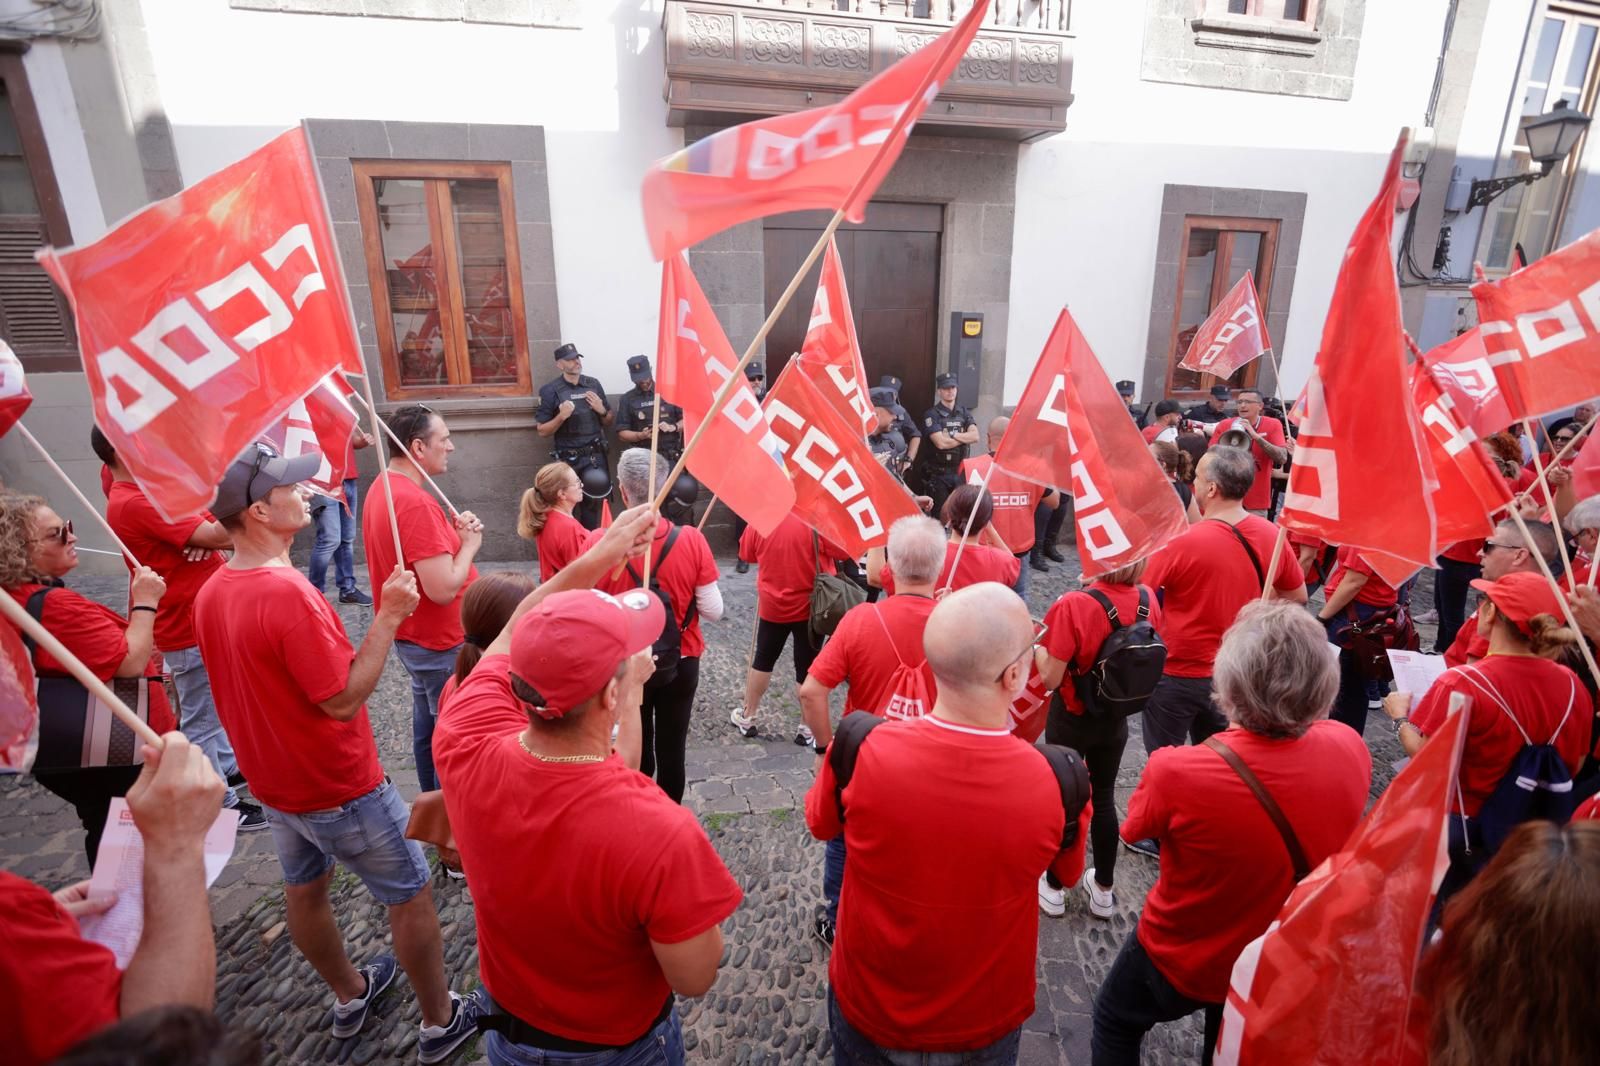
{"x": 730, "y": 60}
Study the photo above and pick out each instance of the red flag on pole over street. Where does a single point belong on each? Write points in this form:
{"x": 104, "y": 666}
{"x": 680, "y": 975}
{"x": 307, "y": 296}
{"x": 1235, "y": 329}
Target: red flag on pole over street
{"x": 1462, "y": 370}
{"x": 1066, "y": 432}
{"x": 1330, "y": 980}
{"x": 202, "y": 317}
{"x": 1470, "y": 487}
{"x": 840, "y": 488}
{"x": 19, "y": 709}
{"x": 322, "y": 422}
{"x": 807, "y": 159}
{"x": 831, "y": 355}
{"x": 14, "y": 394}
{"x": 740, "y": 459}
{"x": 1232, "y": 335}
{"x": 1361, "y": 438}
{"x": 1541, "y": 328}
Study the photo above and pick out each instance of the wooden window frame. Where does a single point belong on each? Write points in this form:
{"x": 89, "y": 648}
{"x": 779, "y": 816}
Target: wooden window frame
{"x": 1266, "y": 261}
{"x": 458, "y": 366}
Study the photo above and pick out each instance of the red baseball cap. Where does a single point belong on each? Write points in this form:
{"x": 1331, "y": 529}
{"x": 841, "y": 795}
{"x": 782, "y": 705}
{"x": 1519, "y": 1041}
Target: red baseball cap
{"x": 569, "y": 646}
{"x": 1520, "y": 596}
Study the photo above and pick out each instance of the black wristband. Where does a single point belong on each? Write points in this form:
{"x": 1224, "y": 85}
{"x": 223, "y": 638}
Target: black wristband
{"x": 141, "y": 607}
{"x": 820, "y": 749}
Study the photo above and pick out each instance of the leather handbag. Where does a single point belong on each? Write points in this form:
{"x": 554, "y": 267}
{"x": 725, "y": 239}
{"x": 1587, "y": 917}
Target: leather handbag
{"x": 430, "y": 824}
{"x": 1370, "y": 641}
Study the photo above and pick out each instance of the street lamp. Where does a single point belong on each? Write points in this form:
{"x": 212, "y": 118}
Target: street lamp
{"x": 1549, "y": 137}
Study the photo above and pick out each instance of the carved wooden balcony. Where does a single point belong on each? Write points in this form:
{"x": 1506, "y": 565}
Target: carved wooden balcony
{"x": 731, "y": 60}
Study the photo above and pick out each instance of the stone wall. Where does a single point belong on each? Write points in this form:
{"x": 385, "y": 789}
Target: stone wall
{"x": 1194, "y": 43}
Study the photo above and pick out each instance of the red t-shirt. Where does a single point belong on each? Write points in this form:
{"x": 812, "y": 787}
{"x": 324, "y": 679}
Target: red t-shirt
{"x": 159, "y": 545}
{"x": 1464, "y": 551}
{"x": 1259, "y": 498}
{"x": 979, "y": 562}
{"x": 98, "y": 636}
{"x": 1015, "y": 500}
{"x": 689, "y": 565}
{"x": 425, "y": 532}
{"x": 948, "y": 829}
{"x": 872, "y": 640}
{"x": 1374, "y": 593}
{"x": 788, "y": 569}
{"x": 275, "y": 649}
{"x": 1468, "y": 645}
{"x": 574, "y": 869}
{"x": 1537, "y": 691}
{"x": 1205, "y": 577}
{"x": 1078, "y": 626}
{"x": 56, "y": 988}
{"x": 1225, "y": 871}
{"x": 560, "y": 542}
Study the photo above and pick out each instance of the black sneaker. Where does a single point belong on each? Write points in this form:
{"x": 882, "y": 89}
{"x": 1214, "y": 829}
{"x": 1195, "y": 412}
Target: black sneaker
{"x": 1053, "y": 555}
{"x": 1147, "y": 846}
{"x": 1038, "y": 564}
{"x": 823, "y": 929}
{"x": 251, "y": 817}
{"x": 236, "y": 780}
{"x": 742, "y": 567}
{"x": 357, "y": 597}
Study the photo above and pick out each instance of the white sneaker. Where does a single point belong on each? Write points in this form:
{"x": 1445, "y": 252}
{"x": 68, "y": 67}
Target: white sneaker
{"x": 804, "y": 737}
{"x": 745, "y": 726}
{"x": 1053, "y": 901}
{"x": 1102, "y": 901}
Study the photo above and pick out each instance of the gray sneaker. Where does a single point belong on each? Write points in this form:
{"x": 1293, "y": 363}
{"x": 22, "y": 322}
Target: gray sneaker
{"x": 435, "y": 1043}
{"x": 349, "y": 1017}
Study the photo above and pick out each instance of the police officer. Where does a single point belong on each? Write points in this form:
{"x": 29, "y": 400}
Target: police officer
{"x": 756, "y": 375}
{"x": 637, "y": 410}
{"x": 950, "y": 429}
{"x": 887, "y": 445}
{"x": 573, "y": 409}
{"x": 1135, "y": 412}
{"x": 903, "y": 423}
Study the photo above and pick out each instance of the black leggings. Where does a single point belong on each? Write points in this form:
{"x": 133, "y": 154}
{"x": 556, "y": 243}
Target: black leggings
{"x": 770, "y": 638}
{"x": 90, "y": 792}
{"x": 1100, "y": 741}
{"x": 664, "y": 721}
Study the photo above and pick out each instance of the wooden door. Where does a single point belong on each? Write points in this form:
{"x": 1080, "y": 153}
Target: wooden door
{"x": 891, "y": 267}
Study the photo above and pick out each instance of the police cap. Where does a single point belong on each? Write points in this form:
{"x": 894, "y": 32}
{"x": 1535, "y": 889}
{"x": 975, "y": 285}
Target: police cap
{"x": 754, "y": 370}
{"x": 1125, "y": 388}
{"x": 892, "y": 383}
{"x": 945, "y": 381}
{"x": 639, "y": 369}
{"x": 568, "y": 351}
{"x": 883, "y": 397}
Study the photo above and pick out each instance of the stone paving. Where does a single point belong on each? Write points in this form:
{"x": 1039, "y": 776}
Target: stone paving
{"x": 768, "y": 1005}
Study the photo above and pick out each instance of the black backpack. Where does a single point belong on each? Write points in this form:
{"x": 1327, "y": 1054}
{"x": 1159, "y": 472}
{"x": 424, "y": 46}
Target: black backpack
{"x": 1127, "y": 666}
{"x": 668, "y": 648}
{"x": 1072, "y": 778}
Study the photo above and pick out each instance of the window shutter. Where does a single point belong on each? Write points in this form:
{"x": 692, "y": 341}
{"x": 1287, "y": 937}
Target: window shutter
{"x": 34, "y": 318}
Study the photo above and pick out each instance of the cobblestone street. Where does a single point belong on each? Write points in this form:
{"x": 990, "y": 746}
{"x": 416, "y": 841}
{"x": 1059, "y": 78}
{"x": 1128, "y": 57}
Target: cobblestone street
{"x": 768, "y": 1005}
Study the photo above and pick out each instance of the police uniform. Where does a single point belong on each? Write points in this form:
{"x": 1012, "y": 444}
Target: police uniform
{"x": 635, "y": 412}
{"x": 752, "y": 371}
{"x": 902, "y": 422}
{"x": 887, "y": 444}
{"x": 580, "y": 441}
{"x": 941, "y": 467}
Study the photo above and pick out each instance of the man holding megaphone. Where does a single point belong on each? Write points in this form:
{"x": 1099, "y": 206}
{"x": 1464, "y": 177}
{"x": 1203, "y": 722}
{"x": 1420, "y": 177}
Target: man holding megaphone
{"x": 1263, "y": 435}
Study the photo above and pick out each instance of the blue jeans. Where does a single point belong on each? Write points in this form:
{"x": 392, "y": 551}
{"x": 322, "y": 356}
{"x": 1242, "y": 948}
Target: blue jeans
{"x": 368, "y": 835}
{"x": 1021, "y": 587}
{"x": 336, "y": 535}
{"x": 429, "y": 670}
{"x": 197, "y": 714}
{"x": 661, "y": 1046}
{"x": 851, "y": 1048}
{"x": 833, "y": 876}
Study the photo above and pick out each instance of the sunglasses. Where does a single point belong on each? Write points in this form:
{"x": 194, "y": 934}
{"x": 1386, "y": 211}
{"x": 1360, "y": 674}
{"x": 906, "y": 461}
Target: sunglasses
{"x": 1490, "y": 545}
{"x": 1564, "y": 438}
{"x": 61, "y": 535}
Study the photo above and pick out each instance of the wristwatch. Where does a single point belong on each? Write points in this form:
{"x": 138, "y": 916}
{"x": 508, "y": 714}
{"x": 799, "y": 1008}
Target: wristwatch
{"x": 820, "y": 749}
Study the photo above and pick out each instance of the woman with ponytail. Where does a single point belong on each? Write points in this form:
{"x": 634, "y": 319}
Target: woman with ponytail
{"x": 1179, "y": 468}
{"x": 485, "y": 610}
{"x": 546, "y": 518}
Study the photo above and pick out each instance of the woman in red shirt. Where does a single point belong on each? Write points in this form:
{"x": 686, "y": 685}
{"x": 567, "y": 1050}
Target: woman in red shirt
{"x": 546, "y": 518}
{"x": 969, "y": 510}
{"x": 38, "y": 549}
{"x": 1354, "y": 593}
{"x": 1075, "y": 627}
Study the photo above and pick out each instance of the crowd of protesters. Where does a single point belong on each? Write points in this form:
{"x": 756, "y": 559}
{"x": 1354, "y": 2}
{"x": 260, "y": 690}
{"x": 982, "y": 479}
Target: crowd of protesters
{"x": 551, "y": 718}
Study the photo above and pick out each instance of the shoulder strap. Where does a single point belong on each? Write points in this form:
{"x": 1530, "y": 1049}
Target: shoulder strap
{"x": 1285, "y": 830}
{"x": 888, "y": 636}
{"x": 1144, "y": 603}
{"x": 816, "y": 552}
{"x": 1073, "y": 781}
{"x": 36, "y": 609}
{"x": 1255, "y": 560}
{"x": 666, "y": 546}
{"x": 1110, "y": 608}
{"x": 846, "y": 745}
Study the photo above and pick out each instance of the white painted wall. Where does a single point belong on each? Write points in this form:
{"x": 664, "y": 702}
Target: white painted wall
{"x": 1089, "y": 199}
{"x": 231, "y": 80}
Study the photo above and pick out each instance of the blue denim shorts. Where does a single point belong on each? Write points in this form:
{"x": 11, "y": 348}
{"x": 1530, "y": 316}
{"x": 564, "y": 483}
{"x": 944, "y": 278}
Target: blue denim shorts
{"x": 367, "y": 835}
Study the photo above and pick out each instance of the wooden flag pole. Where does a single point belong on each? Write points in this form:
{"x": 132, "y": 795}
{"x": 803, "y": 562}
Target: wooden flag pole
{"x": 91, "y": 508}
{"x": 1555, "y": 460}
{"x": 655, "y": 444}
{"x": 1566, "y": 608}
{"x": 402, "y": 449}
{"x": 1272, "y": 566}
{"x": 24, "y": 621}
{"x": 965, "y": 533}
{"x": 383, "y": 473}
{"x": 701, "y": 525}
{"x": 1561, "y": 540}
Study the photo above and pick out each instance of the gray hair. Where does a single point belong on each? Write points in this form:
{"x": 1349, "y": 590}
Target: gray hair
{"x": 1274, "y": 674}
{"x": 1585, "y": 514}
{"x": 1232, "y": 470}
{"x": 1540, "y": 541}
{"x": 916, "y": 550}
{"x": 633, "y": 475}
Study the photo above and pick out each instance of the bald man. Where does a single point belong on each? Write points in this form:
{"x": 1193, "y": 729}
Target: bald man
{"x": 949, "y": 824}
{"x": 1015, "y": 502}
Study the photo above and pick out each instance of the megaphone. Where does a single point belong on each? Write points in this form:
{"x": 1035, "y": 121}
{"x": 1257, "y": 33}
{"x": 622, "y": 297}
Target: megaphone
{"x": 1236, "y": 435}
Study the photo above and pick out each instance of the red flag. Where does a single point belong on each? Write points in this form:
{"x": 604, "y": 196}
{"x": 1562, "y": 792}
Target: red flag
{"x": 1361, "y": 440}
{"x": 605, "y": 513}
{"x": 740, "y": 459}
{"x": 1470, "y": 486}
{"x": 1586, "y": 470}
{"x": 1330, "y": 980}
{"x": 204, "y": 316}
{"x": 19, "y": 709}
{"x": 1066, "y": 431}
{"x": 807, "y": 159}
{"x": 1027, "y": 711}
{"x": 322, "y": 422}
{"x": 831, "y": 356}
{"x": 1231, "y": 336}
{"x": 840, "y": 489}
{"x": 14, "y": 394}
{"x": 1541, "y": 327}
{"x": 1462, "y": 370}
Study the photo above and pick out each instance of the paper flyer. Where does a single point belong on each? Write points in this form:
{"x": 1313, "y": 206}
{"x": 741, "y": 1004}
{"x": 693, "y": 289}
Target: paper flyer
{"x": 1414, "y": 672}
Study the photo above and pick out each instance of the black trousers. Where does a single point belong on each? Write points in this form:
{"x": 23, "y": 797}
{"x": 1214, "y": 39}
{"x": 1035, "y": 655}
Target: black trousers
{"x": 1450, "y": 587}
{"x": 1100, "y": 741}
{"x": 1134, "y": 999}
{"x": 90, "y": 791}
{"x": 1053, "y": 522}
{"x": 939, "y": 482}
{"x": 1180, "y": 709}
{"x": 664, "y": 718}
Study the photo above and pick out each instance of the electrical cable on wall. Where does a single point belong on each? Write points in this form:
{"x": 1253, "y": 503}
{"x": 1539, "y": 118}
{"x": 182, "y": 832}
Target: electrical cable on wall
{"x": 73, "y": 20}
